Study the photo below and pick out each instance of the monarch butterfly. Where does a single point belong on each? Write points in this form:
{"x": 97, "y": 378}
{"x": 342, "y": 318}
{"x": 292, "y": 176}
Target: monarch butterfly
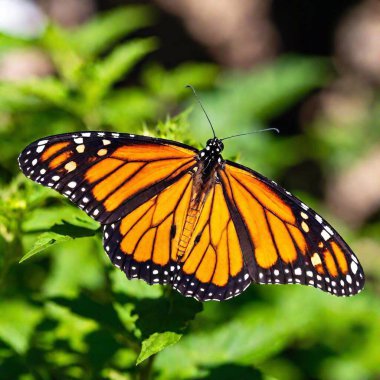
{"x": 174, "y": 215}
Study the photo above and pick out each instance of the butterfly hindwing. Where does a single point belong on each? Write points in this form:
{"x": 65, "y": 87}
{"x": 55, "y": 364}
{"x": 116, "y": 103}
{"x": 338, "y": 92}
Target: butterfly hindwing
{"x": 144, "y": 242}
{"x": 286, "y": 241}
{"x": 212, "y": 265}
{"x": 106, "y": 174}
{"x": 152, "y": 243}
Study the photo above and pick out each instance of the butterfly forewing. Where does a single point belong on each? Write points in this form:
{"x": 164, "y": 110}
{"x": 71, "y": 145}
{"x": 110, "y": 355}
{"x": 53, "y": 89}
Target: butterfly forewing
{"x": 106, "y": 174}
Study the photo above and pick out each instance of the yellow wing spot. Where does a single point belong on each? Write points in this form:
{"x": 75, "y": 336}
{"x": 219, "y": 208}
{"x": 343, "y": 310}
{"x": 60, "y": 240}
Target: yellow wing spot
{"x": 70, "y": 166}
{"x": 102, "y": 152}
{"x": 80, "y": 148}
{"x": 305, "y": 227}
{"x": 305, "y": 216}
{"x": 317, "y": 263}
{"x": 316, "y": 259}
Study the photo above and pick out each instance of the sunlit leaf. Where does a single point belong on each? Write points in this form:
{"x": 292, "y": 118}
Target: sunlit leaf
{"x": 115, "y": 66}
{"x": 170, "y": 85}
{"x": 156, "y": 343}
{"x": 101, "y": 32}
{"x": 17, "y": 322}
{"x": 59, "y": 233}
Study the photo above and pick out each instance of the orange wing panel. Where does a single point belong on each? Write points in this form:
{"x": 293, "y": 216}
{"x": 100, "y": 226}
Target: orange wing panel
{"x": 150, "y": 152}
{"x": 341, "y": 258}
{"x": 53, "y": 149}
{"x": 148, "y": 176}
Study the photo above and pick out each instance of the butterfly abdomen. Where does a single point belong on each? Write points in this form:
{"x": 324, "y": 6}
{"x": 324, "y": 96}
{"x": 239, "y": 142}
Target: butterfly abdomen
{"x": 188, "y": 229}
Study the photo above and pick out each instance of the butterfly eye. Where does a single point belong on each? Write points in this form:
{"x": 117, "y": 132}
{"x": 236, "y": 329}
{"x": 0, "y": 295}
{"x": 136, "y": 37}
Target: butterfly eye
{"x": 221, "y": 145}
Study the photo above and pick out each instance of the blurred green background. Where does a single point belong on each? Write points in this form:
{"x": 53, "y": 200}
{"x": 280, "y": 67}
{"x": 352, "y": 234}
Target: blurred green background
{"x": 310, "y": 69}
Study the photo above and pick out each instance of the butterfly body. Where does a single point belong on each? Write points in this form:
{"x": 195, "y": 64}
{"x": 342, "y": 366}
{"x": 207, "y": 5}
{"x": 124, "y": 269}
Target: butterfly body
{"x": 174, "y": 215}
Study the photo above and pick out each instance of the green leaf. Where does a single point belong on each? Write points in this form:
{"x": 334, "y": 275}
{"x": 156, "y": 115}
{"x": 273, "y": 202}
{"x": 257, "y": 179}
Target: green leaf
{"x": 101, "y": 32}
{"x": 8, "y": 42}
{"x": 50, "y": 90}
{"x": 45, "y": 241}
{"x": 59, "y": 233}
{"x": 18, "y": 320}
{"x": 271, "y": 89}
{"x": 127, "y": 108}
{"x": 170, "y": 85}
{"x": 89, "y": 307}
{"x": 156, "y": 343}
{"x": 66, "y": 59}
{"x": 13, "y": 99}
{"x": 115, "y": 66}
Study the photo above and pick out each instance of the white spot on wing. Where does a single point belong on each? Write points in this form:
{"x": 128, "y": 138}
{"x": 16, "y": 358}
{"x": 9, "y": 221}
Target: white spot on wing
{"x": 318, "y": 218}
{"x": 354, "y": 267}
{"x": 325, "y": 235}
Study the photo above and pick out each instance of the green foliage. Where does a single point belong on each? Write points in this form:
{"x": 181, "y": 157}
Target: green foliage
{"x": 66, "y": 313}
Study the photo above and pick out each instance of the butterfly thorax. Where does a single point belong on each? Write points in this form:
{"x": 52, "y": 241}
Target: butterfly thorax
{"x": 210, "y": 157}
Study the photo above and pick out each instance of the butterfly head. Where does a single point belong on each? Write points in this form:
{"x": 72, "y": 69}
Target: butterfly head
{"x": 212, "y": 151}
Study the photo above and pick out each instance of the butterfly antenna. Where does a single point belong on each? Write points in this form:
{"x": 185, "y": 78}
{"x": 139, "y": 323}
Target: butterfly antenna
{"x": 204, "y": 111}
{"x": 250, "y": 133}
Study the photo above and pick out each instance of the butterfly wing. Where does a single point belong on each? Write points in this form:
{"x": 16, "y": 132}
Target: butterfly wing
{"x": 154, "y": 243}
{"x": 144, "y": 242}
{"x": 212, "y": 265}
{"x": 284, "y": 241}
{"x": 106, "y": 174}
